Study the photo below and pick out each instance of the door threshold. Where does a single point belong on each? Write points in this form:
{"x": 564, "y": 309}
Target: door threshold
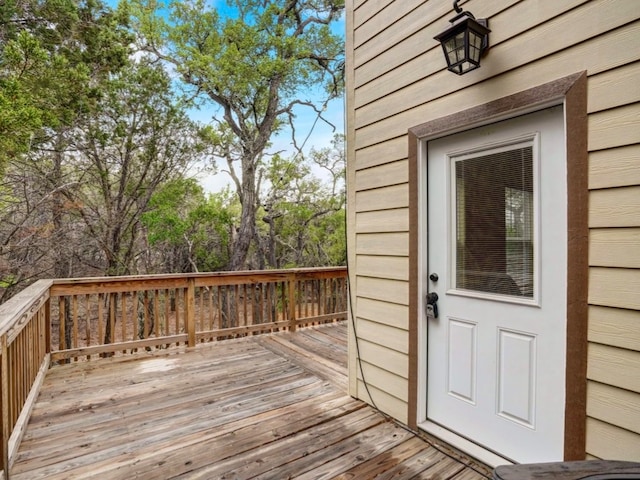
{"x": 485, "y": 456}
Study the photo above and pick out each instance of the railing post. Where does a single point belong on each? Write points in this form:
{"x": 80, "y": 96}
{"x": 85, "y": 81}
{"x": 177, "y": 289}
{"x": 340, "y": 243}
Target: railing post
{"x": 190, "y": 307}
{"x": 6, "y": 433}
{"x": 47, "y": 325}
{"x": 291, "y": 287}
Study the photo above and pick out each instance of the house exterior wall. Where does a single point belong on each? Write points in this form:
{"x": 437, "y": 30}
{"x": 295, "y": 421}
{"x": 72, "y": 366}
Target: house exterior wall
{"x": 396, "y": 79}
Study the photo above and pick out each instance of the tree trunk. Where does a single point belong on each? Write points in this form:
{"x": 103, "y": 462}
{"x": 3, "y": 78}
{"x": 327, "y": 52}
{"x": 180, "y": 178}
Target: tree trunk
{"x": 248, "y": 199}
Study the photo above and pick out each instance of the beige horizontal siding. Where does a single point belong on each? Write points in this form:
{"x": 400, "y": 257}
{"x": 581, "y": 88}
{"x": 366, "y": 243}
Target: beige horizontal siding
{"x": 413, "y": 59}
{"x": 610, "y": 442}
{"x": 390, "y": 337}
{"x": 394, "y": 361}
{"x": 383, "y": 175}
{"x": 396, "y": 43}
{"x": 365, "y": 9}
{"x": 394, "y": 220}
{"x": 395, "y": 196}
{"x": 614, "y": 287}
{"x": 383, "y": 244}
{"x": 376, "y": 25}
{"x": 391, "y": 314}
{"x": 615, "y": 167}
{"x": 614, "y": 405}
{"x": 614, "y": 88}
{"x": 615, "y": 326}
{"x": 393, "y": 268}
{"x": 615, "y": 207}
{"x": 603, "y": 53}
{"x": 391, "y": 25}
{"x": 384, "y": 401}
{"x": 614, "y": 366}
{"x": 614, "y": 247}
{"x": 397, "y": 80}
{"x": 523, "y": 49}
{"x": 615, "y": 128}
{"x": 392, "y": 291}
{"x": 382, "y": 379}
{"x": 387, "y": 152}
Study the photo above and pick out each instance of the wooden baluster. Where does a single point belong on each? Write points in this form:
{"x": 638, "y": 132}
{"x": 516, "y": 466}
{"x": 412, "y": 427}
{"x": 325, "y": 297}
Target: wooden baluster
{"x": 124, "y": 316}
{"x": 74, "y": 310}
{"x": 112, "y": 317}
{"x": 100, "y": 317}
{"x": 61, "y": 323}
{"x": 244, "y": 305}
{"x": 220, "y": 306}
{"x": 269, "y": 310}
{"x": 260, "y": 294}
{"x": 200, "y": 324}
{"x": 305, "y": 295}
{"x": 145, "y": 314}
{"x": 291, "y": 289}
{"x": 156, "y": 315}
{"x": 177, "y": 309}
{"x": 211, "y": 313}
{"x": 165, "y": 320}
{"x": 190, "y": 312}
{"x": 87, "y": 321}
{"x": 47, "y": 327}
{"x": 236, "y": 309}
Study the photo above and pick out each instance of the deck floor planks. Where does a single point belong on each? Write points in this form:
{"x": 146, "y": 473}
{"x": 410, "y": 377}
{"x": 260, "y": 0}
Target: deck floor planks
{"x": 302, "y": 354}
{"x": 147, "y": 431}
{"x": 271, "y": 407}
{"x": 387, "y": 463}
{"x": 154, "y": 423}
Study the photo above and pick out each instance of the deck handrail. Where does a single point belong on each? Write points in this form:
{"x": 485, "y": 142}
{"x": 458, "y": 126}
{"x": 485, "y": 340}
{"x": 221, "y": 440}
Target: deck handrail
{"x": 62, "y": 320}
{"x": 24, "y": 360}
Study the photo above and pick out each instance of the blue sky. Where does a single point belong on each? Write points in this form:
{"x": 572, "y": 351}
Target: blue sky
{"x": 320, "y": 135}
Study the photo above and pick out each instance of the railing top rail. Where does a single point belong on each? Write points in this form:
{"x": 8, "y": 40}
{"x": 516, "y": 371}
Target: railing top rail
{"x": 19, "y": 308}
{"x": 64, "y": 286}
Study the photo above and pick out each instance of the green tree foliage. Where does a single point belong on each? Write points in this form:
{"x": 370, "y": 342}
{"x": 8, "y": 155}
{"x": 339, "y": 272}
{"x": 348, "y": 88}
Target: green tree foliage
{"x": 53, "y": 56}
{"x": 141, "y": 139}
{"x": 50, "y": 54}
{"x": 74, "y": 206}
{"x": 303, "y": 214}
{"x": 95, "y": 145}
{"x": 188, "y": 231}
{"x": 254, "y": 65}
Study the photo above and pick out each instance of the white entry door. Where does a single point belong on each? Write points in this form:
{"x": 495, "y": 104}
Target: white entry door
{"x": 497, "y": 257}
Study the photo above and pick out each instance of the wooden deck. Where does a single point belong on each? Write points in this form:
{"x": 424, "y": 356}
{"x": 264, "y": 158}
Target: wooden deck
{"x": 268, "y": 407}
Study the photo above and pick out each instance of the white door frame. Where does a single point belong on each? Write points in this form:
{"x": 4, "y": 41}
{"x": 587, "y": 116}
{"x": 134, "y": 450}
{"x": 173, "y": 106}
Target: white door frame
{"x": 571, "y": 93}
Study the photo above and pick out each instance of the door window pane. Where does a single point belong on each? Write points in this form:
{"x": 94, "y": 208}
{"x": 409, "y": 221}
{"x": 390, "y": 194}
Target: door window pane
{"x": 494, "y": 223}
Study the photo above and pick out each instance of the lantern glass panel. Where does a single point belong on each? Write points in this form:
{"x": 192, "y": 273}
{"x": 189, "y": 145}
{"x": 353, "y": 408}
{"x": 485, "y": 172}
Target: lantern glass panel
{"x": 475, "y": 46}
{"x": 454, "y": 48}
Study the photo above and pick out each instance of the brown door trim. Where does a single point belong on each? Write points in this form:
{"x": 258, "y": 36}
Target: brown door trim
{"x": 572, "y": 91}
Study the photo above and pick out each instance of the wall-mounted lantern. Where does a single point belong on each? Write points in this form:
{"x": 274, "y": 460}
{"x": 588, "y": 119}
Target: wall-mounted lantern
{"x": 464, "y": 41}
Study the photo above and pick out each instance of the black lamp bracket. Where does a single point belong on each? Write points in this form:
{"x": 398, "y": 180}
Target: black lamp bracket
{"x": 482, "y": 21}
{"x": 461, "y": 13}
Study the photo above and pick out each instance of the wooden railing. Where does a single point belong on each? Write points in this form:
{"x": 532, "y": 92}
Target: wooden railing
{"x": 67, "y": 320}
{"x": 24, "y": 360}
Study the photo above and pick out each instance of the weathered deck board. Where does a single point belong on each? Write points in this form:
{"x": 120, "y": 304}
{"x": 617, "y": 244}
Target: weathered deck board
{"x": 267, "y": 407}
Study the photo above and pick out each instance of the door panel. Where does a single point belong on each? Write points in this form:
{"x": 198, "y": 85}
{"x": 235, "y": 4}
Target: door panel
{"x": 496, "y": 208}
{"x": 516, "y": 376}
{"x": 462, "y": 360}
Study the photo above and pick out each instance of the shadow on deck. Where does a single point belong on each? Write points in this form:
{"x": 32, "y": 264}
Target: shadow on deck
{"x": 269, "y": 407}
